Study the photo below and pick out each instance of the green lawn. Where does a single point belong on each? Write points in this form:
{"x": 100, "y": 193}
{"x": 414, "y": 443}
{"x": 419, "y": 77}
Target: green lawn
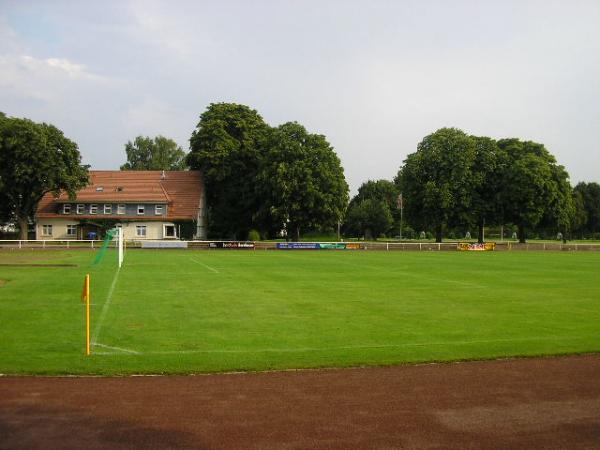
{"x": 178, "y": 311}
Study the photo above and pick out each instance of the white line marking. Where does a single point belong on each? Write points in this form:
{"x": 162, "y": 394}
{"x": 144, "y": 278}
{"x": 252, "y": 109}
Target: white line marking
{"x": 202, "y": 264}
{"x": 125, "y": 350}
{"x": 350, "y": 347}
{"x": 105, "y": 308}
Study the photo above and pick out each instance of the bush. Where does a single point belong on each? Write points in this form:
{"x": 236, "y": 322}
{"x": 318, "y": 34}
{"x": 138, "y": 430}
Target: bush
{"x": 253, "y": 235}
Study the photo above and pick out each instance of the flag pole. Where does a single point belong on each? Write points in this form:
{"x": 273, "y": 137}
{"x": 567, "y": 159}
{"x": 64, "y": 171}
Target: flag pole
{"x": 85, "y": 295}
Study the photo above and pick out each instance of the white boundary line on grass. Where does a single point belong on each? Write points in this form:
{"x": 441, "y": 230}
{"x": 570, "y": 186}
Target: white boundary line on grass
{"x": 202, "y": 264}
{"x": 105, "y": 308}
{"x": 344, "y": 347}
{"x": 124, "y": 350}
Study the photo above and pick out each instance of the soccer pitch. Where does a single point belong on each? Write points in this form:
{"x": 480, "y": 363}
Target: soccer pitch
{"x": 185, "y": 311}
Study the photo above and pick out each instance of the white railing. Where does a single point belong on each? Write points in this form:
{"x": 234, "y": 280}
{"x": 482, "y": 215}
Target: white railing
{"x": 386, "y": 246}
{"x": 50, "y": 243}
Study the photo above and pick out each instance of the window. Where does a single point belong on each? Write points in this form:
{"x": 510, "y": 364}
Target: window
{"x": 107, "y": 209}
{"x": 158, "y": 210}
{"x": 93, "y": 209}
{"x": 120, "y": 209}
{"x": 140, "y": 230}
{"x": 100, "y": 189}
{"x": 140, "y": 209}
{"x": 169, "y": 231}
{"x": 67, "y": 208}
{"x": 80, "y": 208}
{"x": 46, "y": 230}
{"x": 71, "y": 230}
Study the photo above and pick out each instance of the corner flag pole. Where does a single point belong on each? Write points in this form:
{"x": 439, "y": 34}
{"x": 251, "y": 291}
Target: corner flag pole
{"x": 85, "y": 296}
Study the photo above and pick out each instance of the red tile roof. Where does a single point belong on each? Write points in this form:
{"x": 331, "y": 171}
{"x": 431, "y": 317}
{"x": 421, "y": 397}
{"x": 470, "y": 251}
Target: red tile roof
{"x": 180, "y": 190}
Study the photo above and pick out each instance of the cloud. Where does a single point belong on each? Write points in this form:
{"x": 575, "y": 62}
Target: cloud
{"x": 43, "y": 79}
{"x": 59, "y": 66}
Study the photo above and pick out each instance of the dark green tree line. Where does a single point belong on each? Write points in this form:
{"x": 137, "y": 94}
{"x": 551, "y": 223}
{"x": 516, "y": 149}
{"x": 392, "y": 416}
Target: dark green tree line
{"x": 258, "y": 177}
{"x": 454, "y": 179}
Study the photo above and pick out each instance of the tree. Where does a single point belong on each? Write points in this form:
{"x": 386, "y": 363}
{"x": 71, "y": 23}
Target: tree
{"x": 228, "y": 146}
{"x": 381, "y": 192}
{"x": 437, "y": 180}
{"x": 590, "y": 199}
{"x": 534, "y": 186}
{"x": 580, "y": 215}
{"x": 368, "y": 217}
{"x": 35, "y": 159}
{"x": 301, "y": 183}
{"x": 160, "y": 153}
{"x": 488, "y": 166}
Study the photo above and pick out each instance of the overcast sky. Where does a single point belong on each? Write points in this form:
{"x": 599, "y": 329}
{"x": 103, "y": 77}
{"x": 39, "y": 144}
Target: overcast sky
{"x": 375, "y": 77}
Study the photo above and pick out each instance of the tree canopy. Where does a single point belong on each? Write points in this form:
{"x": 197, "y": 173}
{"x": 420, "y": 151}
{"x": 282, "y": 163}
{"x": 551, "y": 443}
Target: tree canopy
{"x": 437, "y": 180}
{"x": 376, "y": 216}
{"x": 160, "y": 153}
{"x": 588, "y": 195}
{"x": 228, "y": 146}
{"x": 35, "y": 159}
{"x": 534, "y": 186}
{"x": 264, "y": 178}
{"x": 457, "y": 180}
{"x": 301, "y": 182}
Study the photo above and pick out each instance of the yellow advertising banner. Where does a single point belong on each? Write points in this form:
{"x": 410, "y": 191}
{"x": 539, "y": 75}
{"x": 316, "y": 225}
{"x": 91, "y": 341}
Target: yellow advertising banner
{"x": 465, "y": 246}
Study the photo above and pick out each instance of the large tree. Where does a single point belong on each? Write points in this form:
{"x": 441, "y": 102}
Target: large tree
{"x": 437, "y": 181}
{"x": 534, "y": 187}
{"x": 589, "y": 194}
{"x": 379, "y": 215}
{"x": 228, "y": 146}
{"x": 488, "y": 166}
{"x": 160, "y": 153}
{"x": 301, "y": 183}
{"x": 368, "y": 218}
{"x": 35, "y": 159}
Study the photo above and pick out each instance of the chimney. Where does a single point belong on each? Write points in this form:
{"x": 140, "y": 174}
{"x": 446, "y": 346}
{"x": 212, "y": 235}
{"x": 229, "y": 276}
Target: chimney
{"x": 163, "y": 176}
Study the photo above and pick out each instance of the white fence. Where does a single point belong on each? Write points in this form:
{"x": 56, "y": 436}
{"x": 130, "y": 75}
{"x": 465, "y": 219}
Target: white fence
{"x": 260, "y": 245}
{"x": 50, "y": 243}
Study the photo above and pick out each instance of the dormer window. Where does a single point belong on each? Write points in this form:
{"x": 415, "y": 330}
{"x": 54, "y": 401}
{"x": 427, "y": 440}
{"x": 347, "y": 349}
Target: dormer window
{"x": 158, "y": 210}
{"x": 140, "y": 210}
{"x": 67, "y": 208}
{"x": 119, "y": 188}
{"x": 100, "y": 189}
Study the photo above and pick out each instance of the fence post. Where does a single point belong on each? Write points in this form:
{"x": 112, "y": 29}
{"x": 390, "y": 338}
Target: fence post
{"x": 19, "y": 244}
{"x": 44, "y": 244}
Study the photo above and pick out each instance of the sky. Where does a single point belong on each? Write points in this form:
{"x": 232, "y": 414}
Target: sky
{"x": 374, "y": 77}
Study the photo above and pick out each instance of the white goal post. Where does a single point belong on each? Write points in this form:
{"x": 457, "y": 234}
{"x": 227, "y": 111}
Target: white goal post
{"x": 120, "y": 245}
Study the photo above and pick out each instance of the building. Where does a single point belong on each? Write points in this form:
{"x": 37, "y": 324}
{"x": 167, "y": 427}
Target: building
{"x": 147, "y": 204}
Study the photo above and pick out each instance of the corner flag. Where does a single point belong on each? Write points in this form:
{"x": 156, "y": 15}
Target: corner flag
{"x": 85, "y": 293}
{"x": 86, "y": 298}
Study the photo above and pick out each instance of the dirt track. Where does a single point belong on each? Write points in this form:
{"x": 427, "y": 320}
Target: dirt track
{"x": 551, "y": 403}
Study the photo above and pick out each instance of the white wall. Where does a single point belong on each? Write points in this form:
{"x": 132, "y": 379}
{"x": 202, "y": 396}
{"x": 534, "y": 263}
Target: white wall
{"x": 59, "y": 229}
{"x": 154, "y": 229}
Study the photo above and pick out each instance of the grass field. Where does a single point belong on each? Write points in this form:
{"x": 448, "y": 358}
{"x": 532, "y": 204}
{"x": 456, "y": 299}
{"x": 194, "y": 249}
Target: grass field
{"x": 181, "y": 311}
